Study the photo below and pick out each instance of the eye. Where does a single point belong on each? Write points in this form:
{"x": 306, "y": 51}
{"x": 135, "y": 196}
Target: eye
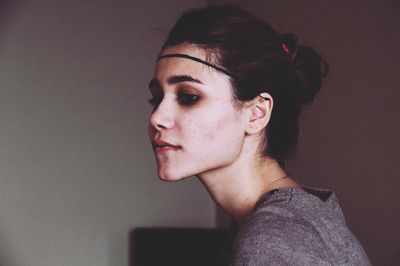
{"x": 187, "y": 98}
{"x": 155, "y": 100}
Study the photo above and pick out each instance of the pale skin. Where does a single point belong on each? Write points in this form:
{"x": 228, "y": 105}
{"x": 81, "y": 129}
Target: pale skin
{"x": 197, "y": 130}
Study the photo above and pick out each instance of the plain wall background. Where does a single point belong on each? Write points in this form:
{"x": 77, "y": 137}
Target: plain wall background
{"x": 76, "y": 168}
{"x": 350, "y": 135}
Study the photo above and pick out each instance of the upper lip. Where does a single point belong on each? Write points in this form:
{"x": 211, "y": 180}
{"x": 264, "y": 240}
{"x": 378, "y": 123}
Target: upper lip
{"x": 156, "y": 143}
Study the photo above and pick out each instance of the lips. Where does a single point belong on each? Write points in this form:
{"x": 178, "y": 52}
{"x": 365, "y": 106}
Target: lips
{"x": 161, "y": 145}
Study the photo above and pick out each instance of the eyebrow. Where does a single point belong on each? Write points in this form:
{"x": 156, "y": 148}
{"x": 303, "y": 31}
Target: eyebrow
{"x": 154, "y": 83}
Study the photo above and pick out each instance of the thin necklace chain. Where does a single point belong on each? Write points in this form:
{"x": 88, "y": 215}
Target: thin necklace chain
{"x": 276, "y": 180}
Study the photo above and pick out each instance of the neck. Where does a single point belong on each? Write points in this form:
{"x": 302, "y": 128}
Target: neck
{"x": 238, "y": 187}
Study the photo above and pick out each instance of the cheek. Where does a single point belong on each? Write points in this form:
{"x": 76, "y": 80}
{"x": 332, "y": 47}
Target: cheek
{"x": 214, "y": 132}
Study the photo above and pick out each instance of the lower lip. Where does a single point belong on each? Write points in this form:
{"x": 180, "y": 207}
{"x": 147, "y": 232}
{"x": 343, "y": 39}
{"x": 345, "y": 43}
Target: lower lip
{"x": 166, "y": 148}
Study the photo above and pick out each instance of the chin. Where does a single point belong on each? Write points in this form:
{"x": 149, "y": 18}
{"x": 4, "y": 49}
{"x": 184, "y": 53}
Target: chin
{"x": 170, "y": 176}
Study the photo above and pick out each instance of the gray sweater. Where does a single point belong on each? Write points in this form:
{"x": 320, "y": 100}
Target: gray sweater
{"x": 297, "y": 227}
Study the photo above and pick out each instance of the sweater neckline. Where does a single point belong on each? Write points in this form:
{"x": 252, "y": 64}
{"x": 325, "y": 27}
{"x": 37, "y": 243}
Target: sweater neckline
{"x": 322, "y": 194}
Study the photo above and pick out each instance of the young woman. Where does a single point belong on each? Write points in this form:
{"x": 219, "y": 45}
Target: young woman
{"x": 227, "y": 93}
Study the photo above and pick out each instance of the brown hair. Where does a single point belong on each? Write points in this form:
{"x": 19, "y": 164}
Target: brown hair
{"x": 258, "y": 60}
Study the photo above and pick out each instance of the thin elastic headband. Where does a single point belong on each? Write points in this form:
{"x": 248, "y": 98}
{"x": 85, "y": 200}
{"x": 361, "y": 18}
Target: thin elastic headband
{"x": 203, "y": 62}
{"x": 195, "y": 59}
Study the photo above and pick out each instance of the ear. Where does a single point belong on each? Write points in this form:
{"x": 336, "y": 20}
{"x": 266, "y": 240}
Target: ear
{"x": 259, "y": 113}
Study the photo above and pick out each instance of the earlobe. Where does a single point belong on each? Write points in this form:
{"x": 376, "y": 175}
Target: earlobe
{"x": 260, "y": 112}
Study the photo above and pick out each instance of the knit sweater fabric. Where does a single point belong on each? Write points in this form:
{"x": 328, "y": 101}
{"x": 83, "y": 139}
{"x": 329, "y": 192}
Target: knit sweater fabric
{"x": 294, "y": 226}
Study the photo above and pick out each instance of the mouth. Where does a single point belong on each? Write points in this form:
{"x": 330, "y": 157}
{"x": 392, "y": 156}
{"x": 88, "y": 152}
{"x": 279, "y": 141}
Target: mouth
{"x": 165, "y": 148}
{"x": 159, "y": 146}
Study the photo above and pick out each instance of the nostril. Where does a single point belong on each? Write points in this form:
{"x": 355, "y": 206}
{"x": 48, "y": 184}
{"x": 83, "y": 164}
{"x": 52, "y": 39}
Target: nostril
{"x": 160, "y": 126}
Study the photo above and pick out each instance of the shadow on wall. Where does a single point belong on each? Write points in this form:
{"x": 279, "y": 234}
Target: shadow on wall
{"x": 7, "y": 9}
{"x": 7, "y": 250}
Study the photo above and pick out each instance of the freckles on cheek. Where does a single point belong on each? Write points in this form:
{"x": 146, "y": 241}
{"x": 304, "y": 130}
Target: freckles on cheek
{"x": 207, "y": 129}
{"x": 201, "y": 133}
{"x": 217, "y": 127}
{"x": 214, "y": 133}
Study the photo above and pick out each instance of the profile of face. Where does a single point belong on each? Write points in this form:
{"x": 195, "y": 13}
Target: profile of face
{"x": 195, "y": 127}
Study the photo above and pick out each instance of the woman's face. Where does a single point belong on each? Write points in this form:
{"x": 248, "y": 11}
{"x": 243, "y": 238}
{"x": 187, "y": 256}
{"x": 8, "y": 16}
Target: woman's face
{"x": 195, "y": 126}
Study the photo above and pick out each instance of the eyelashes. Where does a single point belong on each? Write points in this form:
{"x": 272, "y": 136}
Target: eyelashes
{"x": 155, "y": 101}
{"x": 187, "y": 98}
{"x": 184, "y": 99}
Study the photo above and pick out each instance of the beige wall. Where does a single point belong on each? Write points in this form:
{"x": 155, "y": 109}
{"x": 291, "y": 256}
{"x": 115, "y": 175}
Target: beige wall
{"x": 76, "y": 171}
{"x": 350, "y": 136}
{"x": 76, "y": 168}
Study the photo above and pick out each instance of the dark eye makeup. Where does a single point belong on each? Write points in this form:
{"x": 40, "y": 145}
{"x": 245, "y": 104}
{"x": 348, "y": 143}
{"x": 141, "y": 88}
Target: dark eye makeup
{"x": 155, "y": 100}
{"x": 184, "y": 97}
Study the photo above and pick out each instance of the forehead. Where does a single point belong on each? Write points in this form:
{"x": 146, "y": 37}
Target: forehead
{"x": 178, "y": 66}
{"x": 191, "y": 50}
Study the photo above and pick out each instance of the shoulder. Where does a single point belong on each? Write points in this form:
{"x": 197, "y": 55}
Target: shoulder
{"x": 276, "y": 235}
{"x": 295, "y": 227}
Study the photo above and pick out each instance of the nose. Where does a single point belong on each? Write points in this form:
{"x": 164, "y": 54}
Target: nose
{"x": 163, "y": 116}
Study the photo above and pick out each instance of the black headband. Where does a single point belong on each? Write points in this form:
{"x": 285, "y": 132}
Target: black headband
{"x": 197, "y": 60}
{"x": 203, "y": 62}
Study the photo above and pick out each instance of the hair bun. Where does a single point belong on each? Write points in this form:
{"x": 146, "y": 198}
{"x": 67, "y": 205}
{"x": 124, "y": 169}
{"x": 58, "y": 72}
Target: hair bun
{"x": 258, "y": 59}
{"x": 310, "y": 68}
{"x": 288, "y": 42}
